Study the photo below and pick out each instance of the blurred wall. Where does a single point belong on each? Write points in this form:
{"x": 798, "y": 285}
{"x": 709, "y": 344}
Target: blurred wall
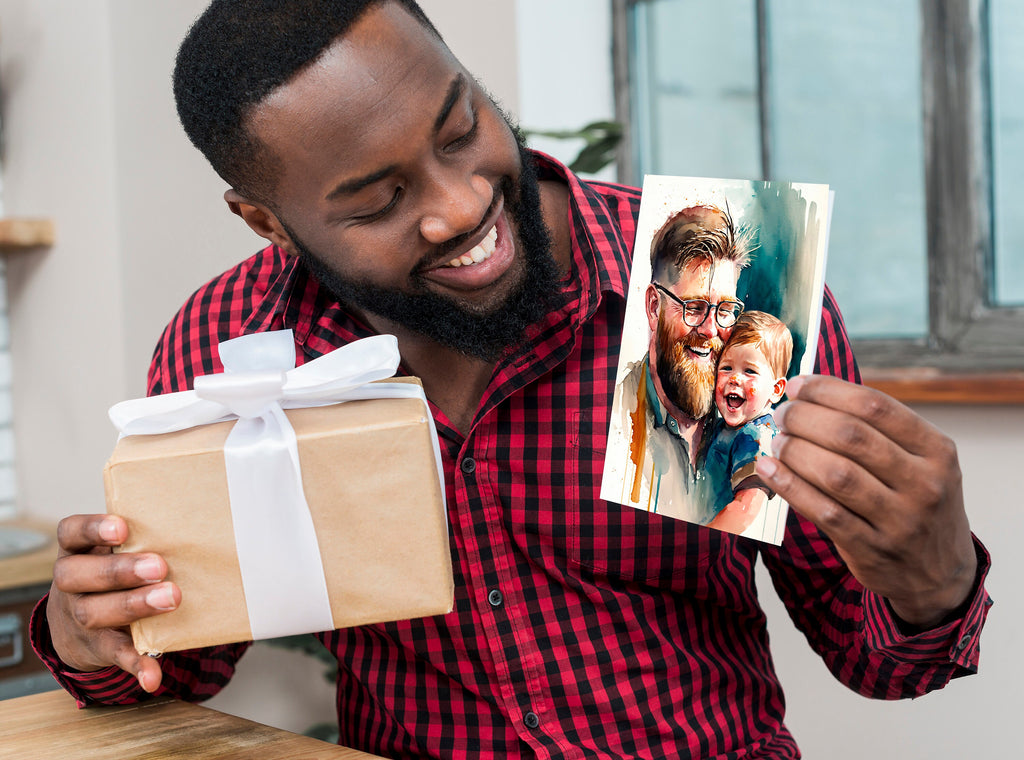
{"x": 91, "y": 140}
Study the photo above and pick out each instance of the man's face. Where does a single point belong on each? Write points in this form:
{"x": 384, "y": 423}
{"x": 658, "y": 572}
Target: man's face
{"x": 403, "y": 187}
{"x": 685, "y": 357}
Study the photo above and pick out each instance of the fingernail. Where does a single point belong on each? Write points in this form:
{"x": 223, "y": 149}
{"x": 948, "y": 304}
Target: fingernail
{"x": 794, "y": 385}
{"x": 766, "y": 467}
{"x": 160, "y": 599}
{"x": 149, "y": 569}
{"x": 108, "y": 530}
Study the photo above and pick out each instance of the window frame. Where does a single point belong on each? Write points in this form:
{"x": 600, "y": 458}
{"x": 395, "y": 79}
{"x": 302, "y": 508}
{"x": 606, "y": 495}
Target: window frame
{"x": 974, "y": 350}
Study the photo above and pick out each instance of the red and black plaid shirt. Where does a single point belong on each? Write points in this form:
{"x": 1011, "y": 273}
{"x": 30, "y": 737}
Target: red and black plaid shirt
{"x": 581, "y": 628}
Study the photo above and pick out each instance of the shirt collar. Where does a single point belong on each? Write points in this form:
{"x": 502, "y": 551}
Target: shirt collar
{"x": 600, "y": 257}
{"x": 662, "y": 419}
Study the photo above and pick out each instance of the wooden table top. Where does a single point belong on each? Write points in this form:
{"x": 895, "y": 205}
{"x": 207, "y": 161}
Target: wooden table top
{"x": 49, "y": 726}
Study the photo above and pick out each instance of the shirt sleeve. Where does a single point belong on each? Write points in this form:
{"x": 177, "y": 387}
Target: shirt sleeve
{"x": 855, "y": 630}
{"x": 192, "y": 675}
{"x": 750, "y": 443}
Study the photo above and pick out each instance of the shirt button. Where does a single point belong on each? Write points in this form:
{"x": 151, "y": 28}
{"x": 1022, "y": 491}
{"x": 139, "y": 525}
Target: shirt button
{"x": 468, "y": 465}
{"x": 964, "y": 642}
{"x": 672, "y": 425}
{"x": 495, "y": 598}
{"x": 530, "y": 720}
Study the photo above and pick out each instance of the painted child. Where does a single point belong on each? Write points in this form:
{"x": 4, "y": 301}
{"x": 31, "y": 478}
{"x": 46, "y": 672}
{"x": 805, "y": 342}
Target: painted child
{"x": 751, "y": 379}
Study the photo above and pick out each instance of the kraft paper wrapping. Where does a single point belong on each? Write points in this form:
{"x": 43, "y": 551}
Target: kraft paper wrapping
{"x": 371, "y": 482}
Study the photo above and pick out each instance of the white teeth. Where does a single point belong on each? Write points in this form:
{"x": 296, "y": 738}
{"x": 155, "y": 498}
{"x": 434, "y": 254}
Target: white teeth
{"x": 480, "y": 252}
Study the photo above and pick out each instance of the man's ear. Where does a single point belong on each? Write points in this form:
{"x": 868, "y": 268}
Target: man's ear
{"x": 779, "y": 390}
{"x": 651, "y": 302}
{"x": 261, "y": 220}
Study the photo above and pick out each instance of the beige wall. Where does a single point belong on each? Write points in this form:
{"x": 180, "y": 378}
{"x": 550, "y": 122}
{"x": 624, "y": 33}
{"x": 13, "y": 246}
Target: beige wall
{"x": 90, "y": 139}
{"x": 65, "y": 307}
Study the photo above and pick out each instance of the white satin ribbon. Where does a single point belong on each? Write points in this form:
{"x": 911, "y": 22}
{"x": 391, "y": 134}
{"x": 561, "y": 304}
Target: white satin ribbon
{"x": 282, "y": 571}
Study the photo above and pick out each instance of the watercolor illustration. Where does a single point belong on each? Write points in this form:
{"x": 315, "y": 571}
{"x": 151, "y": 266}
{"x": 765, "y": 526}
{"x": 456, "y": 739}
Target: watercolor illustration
{"x": 724, "y": 301}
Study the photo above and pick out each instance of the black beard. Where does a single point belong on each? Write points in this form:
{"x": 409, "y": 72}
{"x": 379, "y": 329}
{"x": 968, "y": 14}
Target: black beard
{"x": 442, "y": 319}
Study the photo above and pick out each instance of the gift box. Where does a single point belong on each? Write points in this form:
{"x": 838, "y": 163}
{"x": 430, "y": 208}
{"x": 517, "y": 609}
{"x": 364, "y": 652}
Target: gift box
{"x": 359, "y": 537}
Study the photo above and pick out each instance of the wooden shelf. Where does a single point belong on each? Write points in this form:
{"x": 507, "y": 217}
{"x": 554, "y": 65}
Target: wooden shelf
{"x": 930, "y": 386}
{"x": 32, "y": 567}
{"x": 23, "y": 232}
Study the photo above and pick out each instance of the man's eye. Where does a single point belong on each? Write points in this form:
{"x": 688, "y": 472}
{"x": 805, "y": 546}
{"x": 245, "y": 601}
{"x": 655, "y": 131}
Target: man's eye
{"x": 371, "y": 217}
{"x": 464, "y": 140}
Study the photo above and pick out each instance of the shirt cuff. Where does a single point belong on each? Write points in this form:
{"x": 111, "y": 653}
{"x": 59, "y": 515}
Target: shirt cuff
{"x": 953, "y": 641}
{"x": 109, "y": 685}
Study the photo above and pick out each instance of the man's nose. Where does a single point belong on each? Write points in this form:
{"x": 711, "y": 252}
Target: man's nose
{"x": 709, "y": 327}
{"x": 456, "y": 205}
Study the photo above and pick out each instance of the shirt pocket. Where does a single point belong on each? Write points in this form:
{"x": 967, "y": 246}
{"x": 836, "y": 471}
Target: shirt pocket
{"x": 605, "y": 539}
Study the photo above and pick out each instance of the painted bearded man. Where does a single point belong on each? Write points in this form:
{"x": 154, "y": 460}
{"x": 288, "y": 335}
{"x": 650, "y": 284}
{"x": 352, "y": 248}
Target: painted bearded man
{"x": 667, "y": 397}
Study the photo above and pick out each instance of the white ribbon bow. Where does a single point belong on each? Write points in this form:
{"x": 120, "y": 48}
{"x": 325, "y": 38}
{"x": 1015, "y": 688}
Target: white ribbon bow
{"x": 282, "y": 571}
{"x": 260, "y": 372}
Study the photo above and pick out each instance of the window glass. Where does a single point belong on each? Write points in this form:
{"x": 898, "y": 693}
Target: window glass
{"x": 695, "y": 88}
{"x": 845, "y": 83}
{"x": 843, "y": 108}
{"x": 1006, "y": 30}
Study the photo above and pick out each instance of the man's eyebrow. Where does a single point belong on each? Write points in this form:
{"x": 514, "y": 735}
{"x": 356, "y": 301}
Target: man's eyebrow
{"x": 352, "y": 186}
{"x": 455, "y": 90}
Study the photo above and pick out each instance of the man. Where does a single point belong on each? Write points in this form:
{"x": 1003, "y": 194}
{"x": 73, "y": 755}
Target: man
{"x": 396, "y": 199}
{"x": 666, "y": 397}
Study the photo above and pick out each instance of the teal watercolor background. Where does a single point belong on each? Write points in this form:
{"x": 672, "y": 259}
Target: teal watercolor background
{"x": 779, "y": 280}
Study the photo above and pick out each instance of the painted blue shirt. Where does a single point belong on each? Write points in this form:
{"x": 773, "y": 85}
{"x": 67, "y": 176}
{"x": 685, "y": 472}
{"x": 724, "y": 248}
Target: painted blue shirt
{"x": 731, "y": 456}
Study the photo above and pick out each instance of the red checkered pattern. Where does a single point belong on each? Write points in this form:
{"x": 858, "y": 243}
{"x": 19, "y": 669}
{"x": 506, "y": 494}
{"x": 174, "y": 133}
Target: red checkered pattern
{"x": 613, "y": 632}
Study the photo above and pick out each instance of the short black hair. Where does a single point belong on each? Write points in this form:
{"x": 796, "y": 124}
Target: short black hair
{"x": 238, "y": 52}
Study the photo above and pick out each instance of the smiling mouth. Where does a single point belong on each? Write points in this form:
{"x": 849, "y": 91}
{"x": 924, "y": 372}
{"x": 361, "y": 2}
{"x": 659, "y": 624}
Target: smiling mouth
{"x": 734, "y": 400}
{"x": 478, "y": 253}
{"x": 702, "y": 352}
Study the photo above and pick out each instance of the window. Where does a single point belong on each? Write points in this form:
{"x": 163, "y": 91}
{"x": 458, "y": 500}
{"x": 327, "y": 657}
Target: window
{"x": 906, "y": 109}
{"x": 1006, "y": 33}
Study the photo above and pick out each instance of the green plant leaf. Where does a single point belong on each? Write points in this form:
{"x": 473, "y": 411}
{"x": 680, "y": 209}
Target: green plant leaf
{"x": 325, "y": 732}
{"x": 309, "y": 645}
{"x": 595, "y": 156}
{"x": 601, "y": 140}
